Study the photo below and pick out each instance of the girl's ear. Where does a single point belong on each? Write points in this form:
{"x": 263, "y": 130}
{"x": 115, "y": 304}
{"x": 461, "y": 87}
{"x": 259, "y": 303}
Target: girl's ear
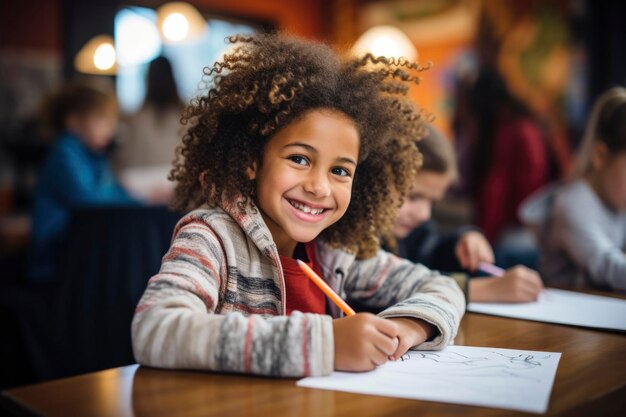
{"x": 599, "y": 155}
{"x": 251, "y": 171}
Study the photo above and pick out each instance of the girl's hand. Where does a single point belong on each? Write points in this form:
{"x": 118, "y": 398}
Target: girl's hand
{"x": 363, "y": 341}
{"x": 412, "y": 332}
{"x": 518, "y": 285}
{"x": 473, "y": 248}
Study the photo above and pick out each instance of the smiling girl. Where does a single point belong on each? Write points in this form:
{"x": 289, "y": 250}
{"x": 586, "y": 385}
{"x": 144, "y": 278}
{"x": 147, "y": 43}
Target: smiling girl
{"x": 284, "y": 160}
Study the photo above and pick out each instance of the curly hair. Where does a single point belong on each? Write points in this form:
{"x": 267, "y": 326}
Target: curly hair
{"x": 268, "y": 81}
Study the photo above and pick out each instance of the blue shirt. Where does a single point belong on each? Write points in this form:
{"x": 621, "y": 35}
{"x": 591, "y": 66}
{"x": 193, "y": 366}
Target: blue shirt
{"x": 72, "y": 176}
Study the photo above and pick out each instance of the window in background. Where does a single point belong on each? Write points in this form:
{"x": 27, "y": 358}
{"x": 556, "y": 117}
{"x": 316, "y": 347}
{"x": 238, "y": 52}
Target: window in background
{"x": 137, "y": 42}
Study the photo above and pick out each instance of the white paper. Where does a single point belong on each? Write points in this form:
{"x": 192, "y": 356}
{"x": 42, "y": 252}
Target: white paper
{"x": 563, "y": 307}
{"x": 488, "y": 377}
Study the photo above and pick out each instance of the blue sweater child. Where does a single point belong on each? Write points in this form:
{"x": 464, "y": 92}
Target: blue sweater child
{"x": 75, "y": 174}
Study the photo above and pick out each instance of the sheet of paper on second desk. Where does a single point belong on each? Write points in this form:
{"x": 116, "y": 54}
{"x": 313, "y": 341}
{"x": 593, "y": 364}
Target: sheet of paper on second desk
{"x": 489, "y": 377}
{"x": 563, "y": 307}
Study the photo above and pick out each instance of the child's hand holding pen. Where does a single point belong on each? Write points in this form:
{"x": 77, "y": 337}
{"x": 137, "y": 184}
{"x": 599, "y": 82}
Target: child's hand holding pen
{"x": 514, "y": 285}
{"x": 411, "y": 332}
{"x": 472, "y": 249}
{"x": 364, "y": 341}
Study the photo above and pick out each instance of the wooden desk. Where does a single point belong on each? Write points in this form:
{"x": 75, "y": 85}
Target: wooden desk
{"x": 590, "y": 381}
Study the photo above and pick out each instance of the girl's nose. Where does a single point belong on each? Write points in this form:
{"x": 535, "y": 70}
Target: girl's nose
{"x": 317, "y": 184}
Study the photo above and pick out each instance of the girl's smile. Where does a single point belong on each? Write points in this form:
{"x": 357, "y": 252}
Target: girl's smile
{"x": 308, "y": 212}
{"x": 304, "y": 181}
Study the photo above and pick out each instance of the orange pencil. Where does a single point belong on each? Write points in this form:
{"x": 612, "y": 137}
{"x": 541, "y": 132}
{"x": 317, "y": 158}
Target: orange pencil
{"x": 334, "y": 297}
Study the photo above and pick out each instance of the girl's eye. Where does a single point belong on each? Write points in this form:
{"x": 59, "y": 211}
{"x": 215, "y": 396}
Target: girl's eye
{"x": 342, "y": 172}
{"x": 298, "y": 159}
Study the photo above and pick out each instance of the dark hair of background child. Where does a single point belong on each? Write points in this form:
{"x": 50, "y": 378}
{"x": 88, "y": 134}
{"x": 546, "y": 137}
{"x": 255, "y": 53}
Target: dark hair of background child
{"x": 73, "y": 98}
{"x": 492, "y": 104}
{"x": 161, "y": 91}
{"x": 611, "y": 128}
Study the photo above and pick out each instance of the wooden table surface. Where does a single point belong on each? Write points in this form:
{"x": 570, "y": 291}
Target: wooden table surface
{"x": 590, "y": 381}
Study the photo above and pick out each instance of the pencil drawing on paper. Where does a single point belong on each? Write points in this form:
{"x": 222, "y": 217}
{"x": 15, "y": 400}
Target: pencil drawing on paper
{"x": 488, "y": 363}
{"x": 484, "y": 376}
{"x": 491, "y": 358}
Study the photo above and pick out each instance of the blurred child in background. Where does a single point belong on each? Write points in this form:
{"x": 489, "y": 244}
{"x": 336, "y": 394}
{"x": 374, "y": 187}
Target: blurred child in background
{"x": 150, "y": 136}
{"x": 582, "y": 224}
{"x": 511, "y": 158}
{"x": 76, "y": 173}
{"x": 462, "y": 249}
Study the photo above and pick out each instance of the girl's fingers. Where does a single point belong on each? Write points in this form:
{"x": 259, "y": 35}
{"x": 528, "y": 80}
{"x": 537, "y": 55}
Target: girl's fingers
{"x": 388, "y": 327}
{"x": 462, "y": 255}
{"x": 378, "y": 357}
{"x": 538, "y": 282}
{"x": 386, "y": 344}
{"x": 383, "y": 348}
{"x": 532, "y": 295}
{"x": 536, "y": 289}
{"x": 401, "y": 350}
{"x": 533, "y": 282}
{"x": 487, "y": 255}
{"x": 473, "y": 260}
{"x": 530, "y": 291}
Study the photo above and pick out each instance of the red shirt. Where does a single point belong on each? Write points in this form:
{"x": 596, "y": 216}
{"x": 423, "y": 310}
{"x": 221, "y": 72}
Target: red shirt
{"x": 520, "y": 165}
{"x": 302, "y": 294}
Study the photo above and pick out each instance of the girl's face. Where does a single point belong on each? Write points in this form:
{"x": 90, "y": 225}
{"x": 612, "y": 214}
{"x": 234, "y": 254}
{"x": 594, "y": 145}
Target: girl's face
{"x": 428, "y": 187}
{"x": 610, "y": 179}
{"x": 304, "y": 181}
{"x": 96, "y": 129}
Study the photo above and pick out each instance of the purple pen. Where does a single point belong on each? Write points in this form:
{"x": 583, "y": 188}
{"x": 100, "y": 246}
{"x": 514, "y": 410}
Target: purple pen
{"x": 491, "y": 269}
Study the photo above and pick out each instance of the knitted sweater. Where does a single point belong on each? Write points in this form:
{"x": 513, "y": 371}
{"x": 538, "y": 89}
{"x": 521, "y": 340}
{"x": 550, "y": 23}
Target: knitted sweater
{"x": 218, "y": 301}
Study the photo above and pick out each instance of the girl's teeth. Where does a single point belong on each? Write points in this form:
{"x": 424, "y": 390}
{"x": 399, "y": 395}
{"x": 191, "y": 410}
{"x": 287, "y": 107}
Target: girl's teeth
{"x": 306, "y": 209}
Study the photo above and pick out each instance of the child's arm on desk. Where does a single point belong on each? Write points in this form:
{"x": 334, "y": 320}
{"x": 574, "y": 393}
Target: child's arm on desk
{"x": 409, "y": 290}
{"x": 175, "y": 325}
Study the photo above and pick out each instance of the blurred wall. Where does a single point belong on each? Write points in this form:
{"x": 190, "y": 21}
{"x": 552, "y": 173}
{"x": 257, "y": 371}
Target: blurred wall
{"x": 40, "y": 38}
{"x": 606, "y": 36}
{"x": 307, "y": 18}
{"x": 64, "y": 26}
{"x": 40, "y": 24}
{"x": 32, "y": 24}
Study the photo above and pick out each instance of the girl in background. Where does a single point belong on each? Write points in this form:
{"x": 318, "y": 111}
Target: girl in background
{"x": 419, "y": 239}
{"x": 582, "y": 224}
{"x": 511, "y": 159}
{"x": 149, "y": 137}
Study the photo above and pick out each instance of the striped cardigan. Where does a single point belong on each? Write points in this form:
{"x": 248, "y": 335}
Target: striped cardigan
{"x": 218, "y": 301}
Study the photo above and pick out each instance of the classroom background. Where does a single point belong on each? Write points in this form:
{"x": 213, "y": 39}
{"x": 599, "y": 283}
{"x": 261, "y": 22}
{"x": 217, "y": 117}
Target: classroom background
{"x": 555, "y": 56}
